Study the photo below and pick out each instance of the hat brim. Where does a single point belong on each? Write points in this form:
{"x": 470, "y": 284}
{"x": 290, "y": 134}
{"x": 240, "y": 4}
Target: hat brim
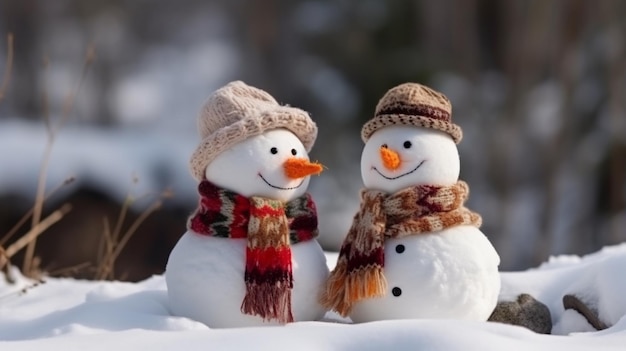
{"x": 381, "y": 121}
{"x": 293, "y": 119}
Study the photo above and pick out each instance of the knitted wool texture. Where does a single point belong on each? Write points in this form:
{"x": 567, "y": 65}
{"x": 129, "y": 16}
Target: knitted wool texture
{"x": 415, "y": 210}
{"x": 238, "y": 111}
{"x": 270, "y": 227}
{"x": 413, "y": 104}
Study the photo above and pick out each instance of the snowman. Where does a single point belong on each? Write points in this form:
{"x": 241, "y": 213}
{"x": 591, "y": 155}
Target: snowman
{"x": 413, "y": 250}
{"x": 249, "y": 256}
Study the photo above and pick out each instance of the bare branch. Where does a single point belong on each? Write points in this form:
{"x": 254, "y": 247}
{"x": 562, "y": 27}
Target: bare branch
{"x": 34, "y": 233}
{"x": 23, "y": 290}
{"x": 27, "y": 215}
{"x": 39, "y": 199}
{"x": 71, "y": 269}
{"x": 133, "y": 228}
{"x": 70, "y": 101}
{"x": 120, "y": 219}
{"x": 105, "y": 264}
{"x": 45, "y": 102}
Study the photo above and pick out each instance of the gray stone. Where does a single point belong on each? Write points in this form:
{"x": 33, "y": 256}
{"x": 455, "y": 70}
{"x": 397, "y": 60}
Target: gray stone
{"x": 525, "y": 311}
{"x": 586, "y": 309}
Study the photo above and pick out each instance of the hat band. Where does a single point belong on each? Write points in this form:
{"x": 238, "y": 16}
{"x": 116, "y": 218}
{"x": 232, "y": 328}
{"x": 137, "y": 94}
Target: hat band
{"x": 416, "y": 110}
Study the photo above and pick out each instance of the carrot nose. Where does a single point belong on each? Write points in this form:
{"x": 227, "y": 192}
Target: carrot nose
{"x": 296, "y": 167}
{"x": 391, "y": 159}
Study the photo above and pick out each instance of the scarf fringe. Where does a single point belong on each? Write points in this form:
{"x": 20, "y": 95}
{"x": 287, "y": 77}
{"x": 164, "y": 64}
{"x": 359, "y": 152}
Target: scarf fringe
{"x": 343, "y": 289}
{"x": 268, "y": 301}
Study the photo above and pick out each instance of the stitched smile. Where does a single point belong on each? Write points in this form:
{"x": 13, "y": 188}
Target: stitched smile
{"x": 277, "y": 187}
{"x": 401, "y": 175}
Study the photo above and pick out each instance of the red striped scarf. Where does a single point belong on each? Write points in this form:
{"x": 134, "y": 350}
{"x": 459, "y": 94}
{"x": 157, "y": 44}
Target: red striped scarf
{"x": 416, "y": 210}
{"x": 270, "y": 227}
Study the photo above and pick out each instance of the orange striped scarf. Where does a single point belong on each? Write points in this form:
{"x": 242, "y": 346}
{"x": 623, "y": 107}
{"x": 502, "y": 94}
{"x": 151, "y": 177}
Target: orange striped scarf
{"x": 416, "y": 210}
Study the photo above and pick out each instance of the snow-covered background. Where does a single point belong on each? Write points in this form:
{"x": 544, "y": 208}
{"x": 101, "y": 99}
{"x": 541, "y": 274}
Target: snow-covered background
{"x": 76, "y": 315}
{"x": 544, "y": 120}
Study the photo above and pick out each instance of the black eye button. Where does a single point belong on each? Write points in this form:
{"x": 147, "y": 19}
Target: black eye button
{"x": 294, "y": 152}
{"x": 396, "y": 291}
{"x": 274, "y": 151}
{"x": 400, "y": 248}
{"x": 384, "y": 146}
{"x": 407, "y": 144}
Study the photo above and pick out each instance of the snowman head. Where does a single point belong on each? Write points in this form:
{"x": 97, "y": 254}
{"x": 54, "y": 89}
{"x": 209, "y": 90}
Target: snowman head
{"x": 240, "y": 125}
{"x": 398, "y": 157}
{"x": 410, "y": 141}
{"x": 274, "y": 165}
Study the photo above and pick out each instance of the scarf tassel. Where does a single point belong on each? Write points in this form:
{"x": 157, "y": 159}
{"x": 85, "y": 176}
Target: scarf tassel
{"x": 269, "y": 302}
{"x": 269, "y": 280}
{"x": 343, "y": 289}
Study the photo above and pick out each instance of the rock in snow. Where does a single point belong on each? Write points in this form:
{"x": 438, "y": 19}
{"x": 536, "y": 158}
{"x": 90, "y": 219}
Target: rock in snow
{"x": 525, "y": 311}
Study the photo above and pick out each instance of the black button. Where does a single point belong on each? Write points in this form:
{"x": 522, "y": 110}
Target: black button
{"x": 396, "y": 291}
{"x": 400, "y": 248}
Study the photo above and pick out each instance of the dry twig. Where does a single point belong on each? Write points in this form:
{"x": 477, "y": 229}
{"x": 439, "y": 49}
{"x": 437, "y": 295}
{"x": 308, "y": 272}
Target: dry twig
{"x": 24, "y": 290}
{"x": 52, "y": 132}
{"x": 27, "y": 215}
{"x": 34, "y": 232}
{"x": 69, "y": 270}
{"x": 113, "y": 243}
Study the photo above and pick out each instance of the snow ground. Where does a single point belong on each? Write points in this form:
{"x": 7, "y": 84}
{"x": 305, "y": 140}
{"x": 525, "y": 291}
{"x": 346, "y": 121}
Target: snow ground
{"x": 76, "y": 315}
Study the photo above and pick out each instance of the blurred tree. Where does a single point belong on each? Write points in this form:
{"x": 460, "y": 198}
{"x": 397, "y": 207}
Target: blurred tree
{"x": 538, "y": 87}
{"x": 22, "y": 18}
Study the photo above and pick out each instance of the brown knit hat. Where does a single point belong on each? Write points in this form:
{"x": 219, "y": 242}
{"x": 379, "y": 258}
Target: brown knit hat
{"x": 238, "y": 111}
{"x": 413, "y": 104}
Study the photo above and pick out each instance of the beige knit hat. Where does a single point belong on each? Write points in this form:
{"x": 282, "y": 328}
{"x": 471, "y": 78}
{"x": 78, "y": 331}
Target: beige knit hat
{"x": 238, "y": 111}
{"x": 413, "y": 104}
